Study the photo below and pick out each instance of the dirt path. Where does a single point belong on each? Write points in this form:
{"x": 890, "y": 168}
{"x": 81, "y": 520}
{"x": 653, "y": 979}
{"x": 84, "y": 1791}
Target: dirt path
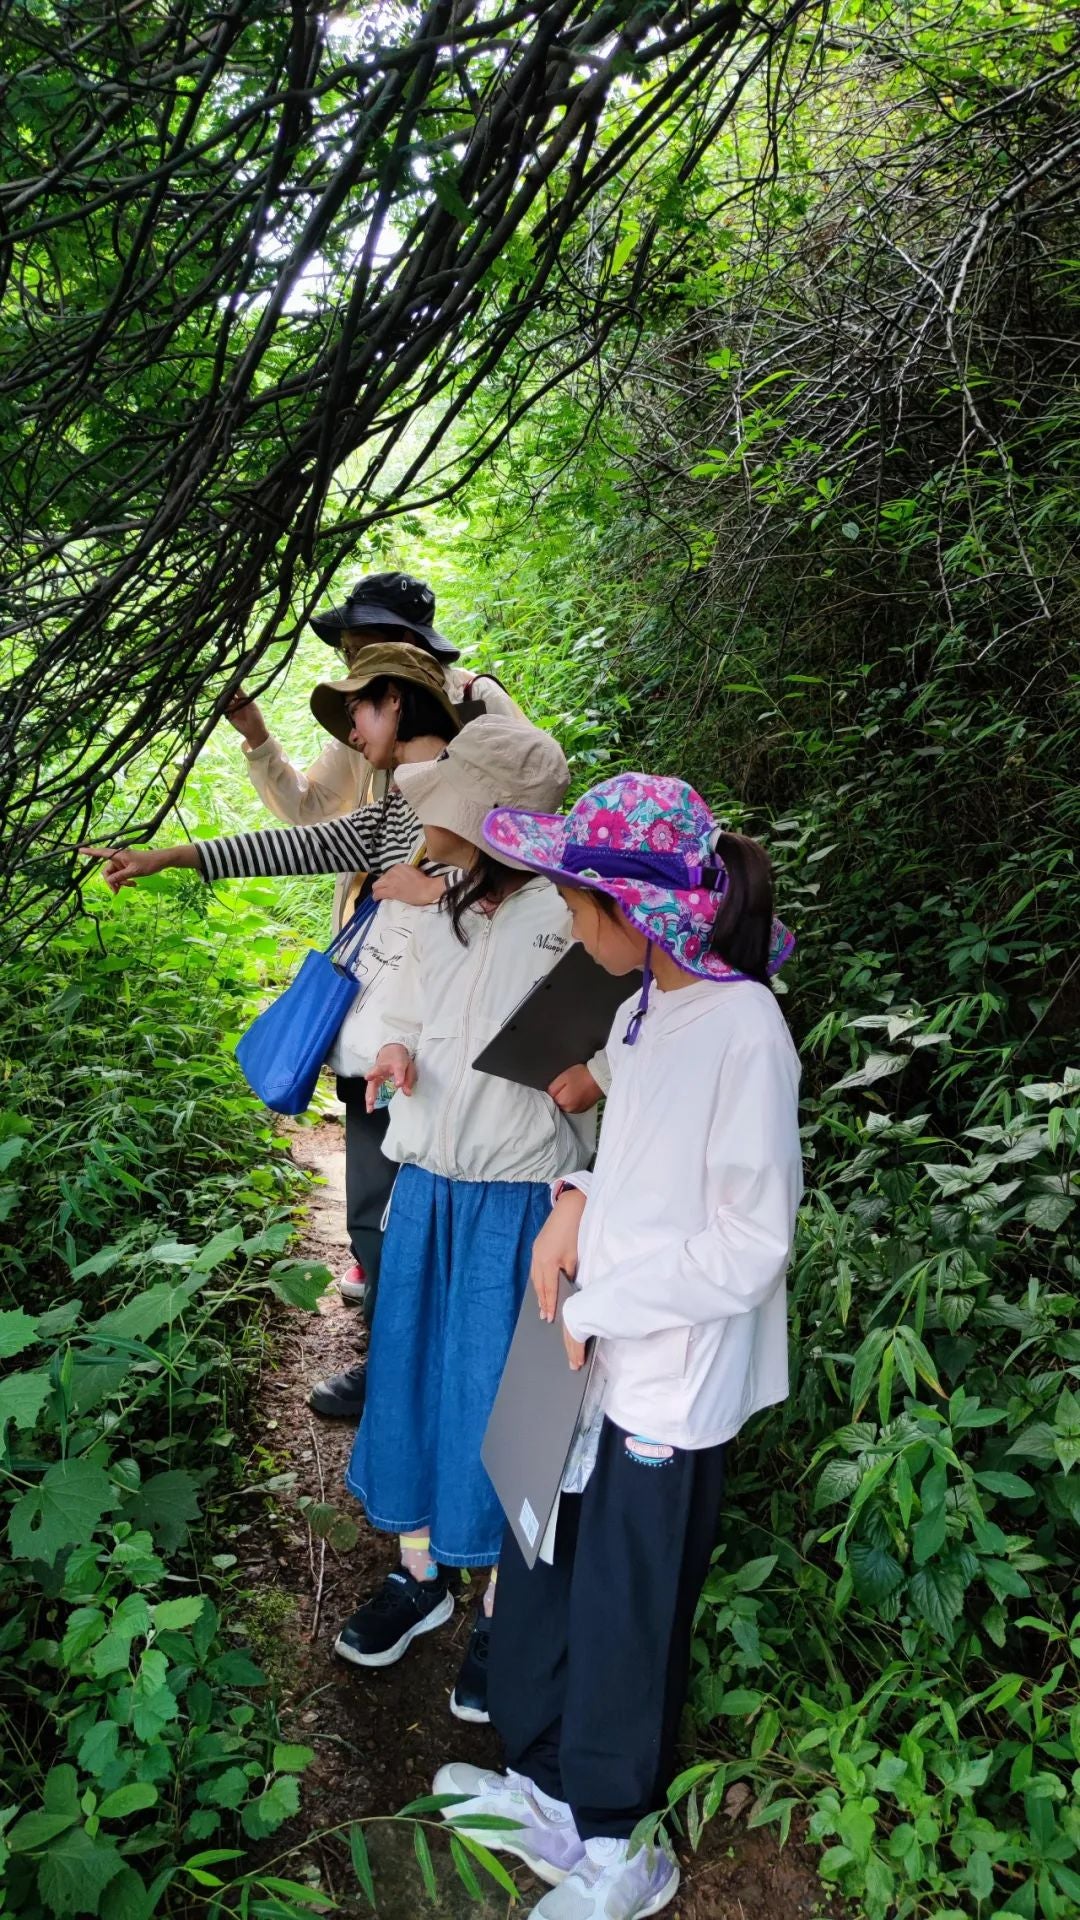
{"x": 380, "y": 1735}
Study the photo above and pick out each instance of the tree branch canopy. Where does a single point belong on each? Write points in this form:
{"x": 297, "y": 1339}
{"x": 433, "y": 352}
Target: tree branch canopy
{"x": 245, "y": 247}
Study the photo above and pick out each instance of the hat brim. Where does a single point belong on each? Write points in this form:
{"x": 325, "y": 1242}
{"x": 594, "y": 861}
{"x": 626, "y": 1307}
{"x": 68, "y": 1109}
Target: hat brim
{"x": 334, "y": 621}
{"x": 329, "y": 700}
{"x": 536, "y": 843}
{"x": 432, "y": 793}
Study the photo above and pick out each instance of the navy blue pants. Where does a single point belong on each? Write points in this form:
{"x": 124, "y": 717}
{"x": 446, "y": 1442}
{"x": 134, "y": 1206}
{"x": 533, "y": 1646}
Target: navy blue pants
{"x": 590, "y": 1656}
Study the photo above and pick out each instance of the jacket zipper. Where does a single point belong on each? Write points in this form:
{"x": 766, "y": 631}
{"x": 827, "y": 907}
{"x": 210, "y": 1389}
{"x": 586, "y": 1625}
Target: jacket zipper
{"x": 444, "y": 1130}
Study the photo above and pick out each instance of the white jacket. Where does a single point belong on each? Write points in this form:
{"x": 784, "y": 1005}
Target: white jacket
{"x": 690, "y": 1216}
{"x": 339, "y": 780}
{"x": 446, "y": 1002}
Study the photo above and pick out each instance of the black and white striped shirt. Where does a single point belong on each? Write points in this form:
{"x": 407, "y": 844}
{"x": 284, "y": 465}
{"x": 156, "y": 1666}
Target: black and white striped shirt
{"x": 373, "y": 838}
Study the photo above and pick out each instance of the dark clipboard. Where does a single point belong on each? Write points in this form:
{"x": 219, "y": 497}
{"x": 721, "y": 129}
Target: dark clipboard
{"x": 564, "y": 1019}
{"x": 534, "y": 1420}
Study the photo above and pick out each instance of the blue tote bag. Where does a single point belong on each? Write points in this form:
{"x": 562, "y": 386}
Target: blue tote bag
{"x": 282, "y": 1051}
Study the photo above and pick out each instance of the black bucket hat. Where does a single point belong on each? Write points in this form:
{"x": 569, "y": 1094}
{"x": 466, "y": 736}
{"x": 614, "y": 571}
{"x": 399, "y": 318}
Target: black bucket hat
{"x": 386, "y": 600}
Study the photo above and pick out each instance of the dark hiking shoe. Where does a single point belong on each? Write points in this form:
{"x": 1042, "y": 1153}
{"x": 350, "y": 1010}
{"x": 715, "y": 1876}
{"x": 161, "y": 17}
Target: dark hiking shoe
{"x": 379, "y": 1632}
{"x": 469, "y": 1698}
{"x": 341, "y": 1397}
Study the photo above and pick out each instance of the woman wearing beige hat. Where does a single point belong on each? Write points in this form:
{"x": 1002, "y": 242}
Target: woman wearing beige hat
{"x": 392, "y": 709}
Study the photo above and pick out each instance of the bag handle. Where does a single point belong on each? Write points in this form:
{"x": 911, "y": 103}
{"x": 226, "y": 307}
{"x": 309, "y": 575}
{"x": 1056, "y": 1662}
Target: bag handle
{"x": 349, "y": 939}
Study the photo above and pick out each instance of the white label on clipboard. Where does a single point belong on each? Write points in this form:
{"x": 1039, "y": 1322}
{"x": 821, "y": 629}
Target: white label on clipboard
{"x": 528, "y": 1522}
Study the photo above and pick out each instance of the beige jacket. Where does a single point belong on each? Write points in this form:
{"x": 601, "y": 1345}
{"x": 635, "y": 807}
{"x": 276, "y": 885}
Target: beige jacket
{"x": 340, "y": 779}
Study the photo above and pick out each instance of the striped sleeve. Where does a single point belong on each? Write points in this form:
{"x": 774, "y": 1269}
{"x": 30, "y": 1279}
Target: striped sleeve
{"x": 367, "y": 841}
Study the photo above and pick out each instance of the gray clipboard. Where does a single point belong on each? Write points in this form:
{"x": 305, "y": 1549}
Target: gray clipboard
{"x": 533, "y": 1421}
{"x": 564, "y": 1019}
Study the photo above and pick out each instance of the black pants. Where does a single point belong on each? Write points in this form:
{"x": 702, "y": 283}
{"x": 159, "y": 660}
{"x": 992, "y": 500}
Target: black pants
{"x": 590, "y": 1656}
{"x": 369, "y": 1177}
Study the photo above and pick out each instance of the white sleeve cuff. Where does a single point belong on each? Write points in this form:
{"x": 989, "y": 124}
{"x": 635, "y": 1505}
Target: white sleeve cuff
{"x": 579, "y": 1180}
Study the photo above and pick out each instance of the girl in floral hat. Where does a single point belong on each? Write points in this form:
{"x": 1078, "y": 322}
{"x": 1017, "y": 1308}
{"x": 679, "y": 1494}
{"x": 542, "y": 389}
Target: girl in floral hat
{"x": 680, "y": 1239}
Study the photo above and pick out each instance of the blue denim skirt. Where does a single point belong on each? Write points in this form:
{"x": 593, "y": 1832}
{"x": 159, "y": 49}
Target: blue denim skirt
{"x": 455, "y": 1265}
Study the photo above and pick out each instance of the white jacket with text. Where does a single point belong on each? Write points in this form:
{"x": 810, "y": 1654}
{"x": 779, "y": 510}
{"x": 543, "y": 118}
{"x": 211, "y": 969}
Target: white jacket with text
{"x": 445, "y": 1003}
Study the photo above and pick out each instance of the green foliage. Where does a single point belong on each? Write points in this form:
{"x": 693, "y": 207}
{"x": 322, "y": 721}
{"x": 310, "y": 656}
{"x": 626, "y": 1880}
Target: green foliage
{"x": 149, "y": 1209}
{"x": 833, "y": 582}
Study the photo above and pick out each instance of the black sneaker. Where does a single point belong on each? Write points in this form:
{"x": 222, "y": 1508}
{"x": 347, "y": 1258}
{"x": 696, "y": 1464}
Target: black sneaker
{"x": 469, "y": 1698}
{"x": 379, "y": 1632}
{"x": 342, "y": 1396}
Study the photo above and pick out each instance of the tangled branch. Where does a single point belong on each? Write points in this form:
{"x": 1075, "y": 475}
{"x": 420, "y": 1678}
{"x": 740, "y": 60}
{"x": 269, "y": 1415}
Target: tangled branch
{"x": 245, "y": 246}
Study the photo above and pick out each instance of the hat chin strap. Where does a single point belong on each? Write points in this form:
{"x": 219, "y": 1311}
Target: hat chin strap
{"x": 634, "y": 1024}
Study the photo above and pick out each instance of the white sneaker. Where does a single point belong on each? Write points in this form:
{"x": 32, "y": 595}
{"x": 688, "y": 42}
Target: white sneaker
{"x": 610, "y": 1884}
{"x": 545, "y": 1837}
{"x": 352, "y": 1284}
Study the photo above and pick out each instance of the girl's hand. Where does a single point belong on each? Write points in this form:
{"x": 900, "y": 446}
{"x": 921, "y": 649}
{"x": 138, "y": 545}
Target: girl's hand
{"x": 124, "y": 865}
{"x": 575, "y": 1350}
{"x": 575, "y": 1091}
{"x": 555, "y": 1249}
{"x": 409, "y": 884}
{"x": 394, "y": 1063}
{"x": 244, "y": 714}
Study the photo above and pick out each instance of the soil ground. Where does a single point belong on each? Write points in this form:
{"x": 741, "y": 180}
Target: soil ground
{"x": 379, "y": 1736}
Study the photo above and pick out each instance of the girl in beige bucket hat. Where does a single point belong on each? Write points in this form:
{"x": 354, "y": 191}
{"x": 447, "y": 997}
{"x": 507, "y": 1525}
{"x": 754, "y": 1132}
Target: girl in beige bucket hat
{"x": 476, "y": 1155}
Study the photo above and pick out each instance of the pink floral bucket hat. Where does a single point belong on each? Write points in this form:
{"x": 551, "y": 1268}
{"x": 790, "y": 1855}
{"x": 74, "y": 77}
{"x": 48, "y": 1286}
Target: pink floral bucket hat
{"x": 647, "y": 842}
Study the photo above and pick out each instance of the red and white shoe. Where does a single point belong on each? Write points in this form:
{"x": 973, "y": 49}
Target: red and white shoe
{"x": 352, "y": 1284}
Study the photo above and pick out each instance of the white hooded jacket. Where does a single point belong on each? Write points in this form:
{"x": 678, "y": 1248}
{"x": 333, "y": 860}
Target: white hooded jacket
{"x": 690, "y": 1215}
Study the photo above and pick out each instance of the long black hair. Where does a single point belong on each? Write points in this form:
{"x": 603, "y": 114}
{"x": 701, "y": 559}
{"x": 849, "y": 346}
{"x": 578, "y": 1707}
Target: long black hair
{"x": 486, "y": 879}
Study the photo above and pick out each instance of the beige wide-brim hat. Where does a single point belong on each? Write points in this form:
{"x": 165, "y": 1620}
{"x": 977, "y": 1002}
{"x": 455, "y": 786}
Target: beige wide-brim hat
{"x": 491, "y": 759}
{"x": 395, "y": 660}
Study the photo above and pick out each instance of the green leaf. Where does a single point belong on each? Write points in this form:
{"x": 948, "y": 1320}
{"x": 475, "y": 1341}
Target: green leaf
{"x": 99, "y": 1748}
{"x": 227, "y": 1789}
{"x": 218, "y": 1250}
{"x": 876, "y": 1066}
{"x": 178, "y": 1613}
{"x": 128, "y": 1897}
{"x": 38, "y": 1829}
{"x": 299, "y": 1284}
{"x": 272, "y": 1808}
{"x": 1048, "y": 1211}
{"x": 17, "y": 1331}
{"x": 22, "y": 1396}
{"x": 143, "y": 1315}
{"x": 423, "y": 1856}
{"x": 937, "y": 1593}
{"x": 839, "y": 1479}
{"x": 876, "y": 1572}
{"x": 464, "y": 1870}
{"x": 864, "y": 1371}
{"x": 448, "y": 194}
{"x": 85, "y": 1626}
{"x": 134, "y": 1798}
{"x": 167, "y": 1503}
{"x": 62, "y": 1512}
{"x": 754, "y": 1574}
{"x": 1008, "y": 1485}
{"x": 361, "y": 1864}
{"x": 740, "y": 1701}
{"x": 75, "y": 1872}
{"x": 292, "y": 1759}
{"x": 489, "y": 1861}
